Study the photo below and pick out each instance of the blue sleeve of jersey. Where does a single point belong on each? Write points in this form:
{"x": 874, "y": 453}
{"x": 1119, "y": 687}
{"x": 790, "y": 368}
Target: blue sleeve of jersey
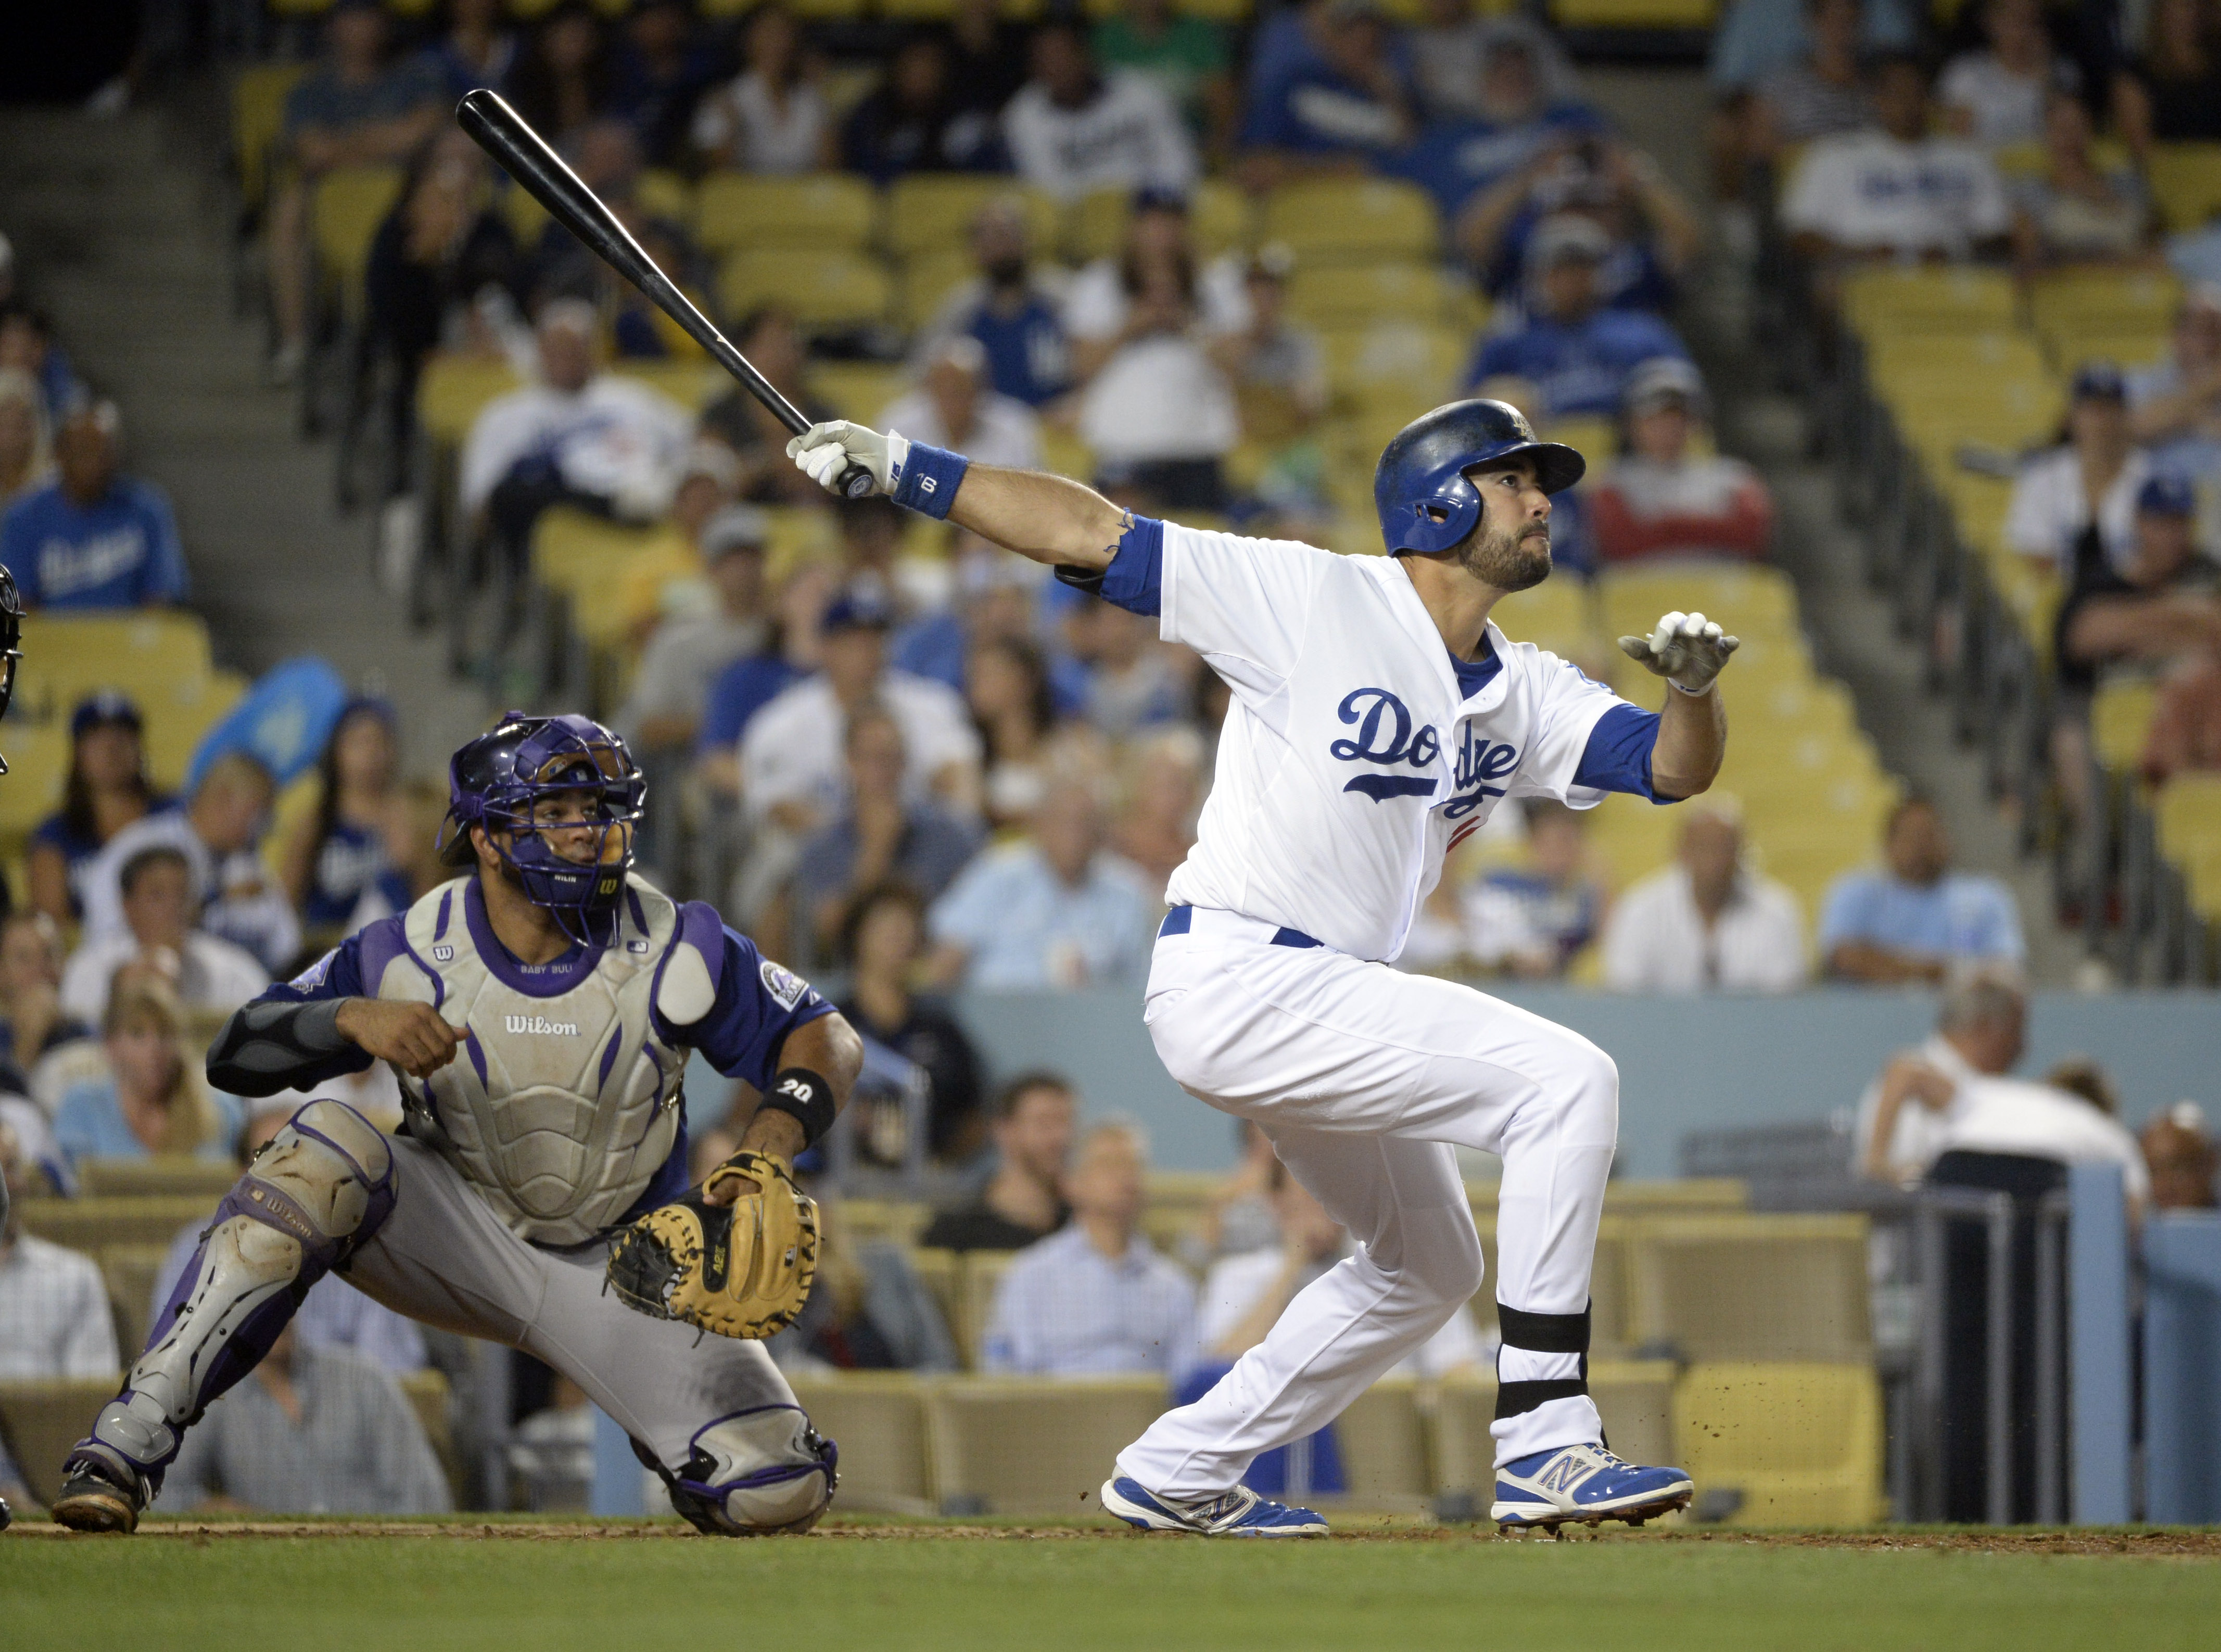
{"x": 165, "y": 573}
{"x": 759, "y": 1003}
{"x": 337, "y": 974}
{"x": 1135, "y": 579}
{"x": 1618, "y": 756}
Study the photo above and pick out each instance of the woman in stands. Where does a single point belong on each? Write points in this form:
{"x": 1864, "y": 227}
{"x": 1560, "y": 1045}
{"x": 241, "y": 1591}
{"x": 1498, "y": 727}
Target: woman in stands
{"x": 882, "y": 942}
{"x": 2077, "y": 211}
{"x": 772, "y": 119}
{"x": 107, "y": 789}
{"x": 339, "y": 871}
{"x": 2172, "y": 92}
{"x": 154, "y": 1099}
{"x": 1006, "y": 685}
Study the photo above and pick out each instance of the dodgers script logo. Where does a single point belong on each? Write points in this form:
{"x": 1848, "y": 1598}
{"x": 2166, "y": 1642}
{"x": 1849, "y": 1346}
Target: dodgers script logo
{"x": 1384, "y": 735}
{"x": 1477, "y": 763}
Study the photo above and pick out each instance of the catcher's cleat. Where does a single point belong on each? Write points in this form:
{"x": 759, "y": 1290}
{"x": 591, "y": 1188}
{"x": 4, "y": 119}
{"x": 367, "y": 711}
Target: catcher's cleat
{"x": 1584, "y": 1485}
{"x": 1238, "y": 1513}
{"x": 97, "y": 1496}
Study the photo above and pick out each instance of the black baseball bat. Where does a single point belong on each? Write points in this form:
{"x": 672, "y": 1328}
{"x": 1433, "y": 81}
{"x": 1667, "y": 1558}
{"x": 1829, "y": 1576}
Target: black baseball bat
{"x": 525, "y": 156}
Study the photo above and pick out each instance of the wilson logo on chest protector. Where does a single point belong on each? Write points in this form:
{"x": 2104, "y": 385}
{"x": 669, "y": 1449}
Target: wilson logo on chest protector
{"x": 540, "y": 1024}
{"x": 1385, "y": 735}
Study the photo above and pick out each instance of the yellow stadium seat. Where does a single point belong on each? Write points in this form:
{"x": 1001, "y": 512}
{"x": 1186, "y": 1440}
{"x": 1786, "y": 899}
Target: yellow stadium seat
{"x": 1956, "y": 299}
{"x": 1219, "y": 11}
{"x": 2120, "y": 718}
{"x": 1632, "y": 14}
{"x": 932, "y": 211}
{"x": 809, "y": 11}
{"x": 1747, "y": 599}
{"x": 129, "y": 1273}
{"x": 660, "y": 194}
{"x": 2073, "y": 302}
{"x": 1991, "y": 354}
{"x": 692, "y": 384}
{"x": 942, "y": 1272}
{"x": 258, "y": 121}
{"x": 345, "y": 209}
{"x": 2185, "y": 182}
{"x": 91, "y": 1225}
{"x": 1801, "y": 1441}
{"x": 41, "y": 1419}
{"x": 820, "y": 289}
{"x": 38, "y": 770}
{"x": 1352, "y": 221}
{"x": 1405, "y": 363}
{"x": 826, "y": 212}
{"x": 1218, "y": 221}
{"x": 1752, "y": 1287}
{"x": 1343, "y": 296}
{"x": 585, "y": 558}
{"x": 1554, "y": 615}
{"x": 1382, "y": 1438}
{"x": 453, "y": 389}
{"x": 163, "y": 1176}
{"x": 858, "y": 389}
{"x": 927, "y": 279}
{"x": 2130, "y": 347}
{"x": 878, "y": 1417}
{"x": 2188, "y": 808}
{"x": 980, "y": 1273}
{"x": 1012, "y": 1446}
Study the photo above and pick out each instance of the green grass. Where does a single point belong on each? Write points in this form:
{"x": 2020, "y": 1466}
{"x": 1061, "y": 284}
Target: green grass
{"x": 901, "y": 1590}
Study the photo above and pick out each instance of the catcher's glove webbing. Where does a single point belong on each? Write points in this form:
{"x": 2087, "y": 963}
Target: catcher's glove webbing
{"x": 742, "y": 1269}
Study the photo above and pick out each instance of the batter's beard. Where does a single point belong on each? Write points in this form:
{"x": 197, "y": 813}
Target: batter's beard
{"x": 1509, "y": 561}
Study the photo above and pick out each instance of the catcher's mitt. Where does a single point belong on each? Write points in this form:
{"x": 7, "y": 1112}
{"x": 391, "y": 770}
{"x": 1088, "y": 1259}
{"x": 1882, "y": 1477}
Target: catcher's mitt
{"x": 742, "y": 1269}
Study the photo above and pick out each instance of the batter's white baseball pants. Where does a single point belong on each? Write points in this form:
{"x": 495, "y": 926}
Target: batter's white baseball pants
{"x": 1365, "y": 1079}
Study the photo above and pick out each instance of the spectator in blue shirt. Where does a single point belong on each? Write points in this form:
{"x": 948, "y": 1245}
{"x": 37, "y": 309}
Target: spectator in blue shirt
{"x": 91, "y": 538}
{"x": 1341, "y": 102}
{"x": 1654, "y": 233}
{"x": 107, "y": 789}
{"x": 1915, "y": 919}
{"x": 1017, "y": 316}
{"x": 1093, "y": 1298}
{"x": 1518, "y": 114}
{"x": 154, "y": 1099}
{"x": 1055, "y": 911}
{"x": 1572, "y": 357}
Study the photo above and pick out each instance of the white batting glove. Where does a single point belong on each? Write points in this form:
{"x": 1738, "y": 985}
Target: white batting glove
{"x": 1687, "y": 650}
{"x": 823, "y": 451}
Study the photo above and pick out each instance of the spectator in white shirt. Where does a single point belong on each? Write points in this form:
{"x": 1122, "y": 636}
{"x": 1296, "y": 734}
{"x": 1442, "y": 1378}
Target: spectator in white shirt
{"x": 770, "y": 119}
{"x": 216, "y": 831}
{"x": 952, "y": 407}
{"x": 1093, "y": 1298}
{"x": 1072, "y": 129}
{"x": 159, "y": 907}
{"x": 2096, "y": 469}
{"x": 1895, "y": 192}
{"x": 1995, "y": 96}
{"x": 1708, "y": 923}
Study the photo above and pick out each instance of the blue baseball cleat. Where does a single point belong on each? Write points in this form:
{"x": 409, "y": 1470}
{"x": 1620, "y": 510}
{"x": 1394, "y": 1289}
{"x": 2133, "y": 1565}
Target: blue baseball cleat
{"x": 1585, "y": 1484}
{"x": 1238, "y": 1513}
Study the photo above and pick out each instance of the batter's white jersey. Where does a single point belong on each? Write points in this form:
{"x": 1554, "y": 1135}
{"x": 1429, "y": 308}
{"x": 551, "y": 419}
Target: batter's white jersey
{"x": 1352, "y": 757}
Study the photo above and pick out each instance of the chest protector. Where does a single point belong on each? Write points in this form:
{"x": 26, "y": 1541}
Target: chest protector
{"x": 563, "y": 1101}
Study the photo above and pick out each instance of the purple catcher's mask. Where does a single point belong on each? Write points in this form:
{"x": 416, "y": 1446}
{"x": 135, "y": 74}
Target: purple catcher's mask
{"x": 511, "y": 781}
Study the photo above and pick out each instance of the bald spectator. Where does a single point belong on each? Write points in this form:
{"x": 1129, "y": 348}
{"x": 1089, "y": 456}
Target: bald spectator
{"x": 954, "y": 407}
{"x": 1056, "y": 911}
{"x": 1095, "y": 1300}
{"x": 216, "y": 831}
{"x": 161, "y": 907}
{"x": 1708, "y": 923}
{"x": 1033, "y": 1119}
{"x": 2181, "y": 1156}
{"x": 93, "y": 538}
{"x": 1914, "y": 919}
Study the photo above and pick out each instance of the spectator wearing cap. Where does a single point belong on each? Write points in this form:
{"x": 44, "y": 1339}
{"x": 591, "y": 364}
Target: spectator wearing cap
{"x": 93, "y": 538}
{"x": 1343, "y": 100}
{"x": 339, "y": 866}
{"x": 1188, "y": 57}
{"x": 107, "y": 789}
{"x": 1053, "y": 911}
{"x": 688, "y": 654}
{"x": 2179, "y": 1151}
{"x": 1570, "y": 357}
{"x": 1895, "y": 190}
{"x": 27, "y": 447}
{"x": 1914, "y": 919}
{"x": 2088, "y": 483}
{"x": 877, "y": 833}
{"x": 1654, "y": 233}
{"x": 1657, "y": 498}
{"x": 1708, "y": 923}
{"x": 2174, "y": 407}
{"x": 1013, "y": 309}
{"x": 954, "y": 407}
{"x": 1073, "y": 129}
{"x": 161, "y": 907}
{"x": 915, "y": 122}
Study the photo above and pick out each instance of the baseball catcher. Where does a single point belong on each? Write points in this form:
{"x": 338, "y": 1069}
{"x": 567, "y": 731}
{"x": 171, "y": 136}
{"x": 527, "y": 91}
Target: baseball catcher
{"x": 538, "y": 1011}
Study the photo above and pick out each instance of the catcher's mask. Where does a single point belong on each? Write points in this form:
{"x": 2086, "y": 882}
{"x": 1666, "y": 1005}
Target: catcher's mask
{"x": 508, "y": 781}
{"x": 11, "y": 639}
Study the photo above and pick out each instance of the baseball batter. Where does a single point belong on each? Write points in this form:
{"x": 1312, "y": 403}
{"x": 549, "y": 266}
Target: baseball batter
{"x": 1377, "y": 717}
{"x": 539, "y": 1009}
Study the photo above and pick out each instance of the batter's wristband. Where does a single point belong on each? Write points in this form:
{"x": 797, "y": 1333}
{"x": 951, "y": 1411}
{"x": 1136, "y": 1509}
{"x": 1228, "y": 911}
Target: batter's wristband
{"x": 805, "y": 1097}
{"x": 930, "y": 479}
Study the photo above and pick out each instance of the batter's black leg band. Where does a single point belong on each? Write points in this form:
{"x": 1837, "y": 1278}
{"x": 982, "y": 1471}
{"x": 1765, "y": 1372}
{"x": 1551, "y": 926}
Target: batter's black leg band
{"x": 1512, "y": 1399}
{"x": 1544, "y": 1333}
{"x": 805, "y": 1097}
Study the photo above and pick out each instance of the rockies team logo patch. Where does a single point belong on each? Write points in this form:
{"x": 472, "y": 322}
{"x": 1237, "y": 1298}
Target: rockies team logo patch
{"x": 783, "y": 983}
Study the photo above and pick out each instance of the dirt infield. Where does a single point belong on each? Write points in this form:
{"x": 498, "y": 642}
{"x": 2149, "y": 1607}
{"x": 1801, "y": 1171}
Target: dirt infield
{"x": 2154, "y": 1542}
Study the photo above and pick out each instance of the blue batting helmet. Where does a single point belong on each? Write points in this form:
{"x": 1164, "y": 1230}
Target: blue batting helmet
{"x": 496, "y": 780}
{"x": 1420, "y": 489}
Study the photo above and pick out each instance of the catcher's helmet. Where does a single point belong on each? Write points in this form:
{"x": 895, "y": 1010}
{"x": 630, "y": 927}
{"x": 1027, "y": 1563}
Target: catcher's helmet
{"x": 495, "y": 780}
{"x": 1420, "y": 488}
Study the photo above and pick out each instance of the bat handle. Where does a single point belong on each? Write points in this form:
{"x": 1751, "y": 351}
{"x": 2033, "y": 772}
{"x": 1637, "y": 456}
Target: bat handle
{"x": 855, "y": 482}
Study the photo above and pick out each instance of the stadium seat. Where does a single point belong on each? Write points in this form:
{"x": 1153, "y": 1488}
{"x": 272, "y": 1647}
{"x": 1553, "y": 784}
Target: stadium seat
{"x": 41, "y": 1419}
{"x": 1383, "y": 1441}
{"x": 1636, "y": 15}
{"x": 1751, "y": 1287}
{"x": 858, "y": 389}
{"x": 2074, "y": 304}
{"x": 661, "y": 194}
{"x": 1889, "y": 299}
{"x": 583, "y": 558}
{"x": 1406, "y": 367}
{"x": 1011, "y": 1446}
{"x": 2129, "y": 348}
{"x": 942, "y": 1272}
{"x": 828, "y": 212}
{"x": 177, "y": 720}
{"x": 2120, "y": 718}
{"x": 1989, "y": 354}
{"x": 692, "y": 383}
{"x": 38, "y": 770}
{"x": 822, "y": 288}
{"x": 808, "y": 10}
{"x": 2185, "y": 183}
{"x": 345, "y": 209}
{"x": 429, "y": 1396}
{"x": 92, "y": 1224}
{"x": 72, "y": 655}
{"x": 453, "y": 389}
{"x": 258, "y": 121}
{"x": 1801, "y": 1442}
{"x": 1218, "y": 220}
{"x": 1750, "y": 600}
{"x": 933, "y": 211}
{"x": 170, "y": 1175}
{"x": 1352, "y": 221}
{"x": 927, "y": 280}
{"x": 129, "y": 1273}
{"x": 1554, "y": 615}
{"x": 1334, "y": 296}
{"x": 2188, "y": 810}
{"x": 878, "y": 1418}
{"x": 981, "y": 1272}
